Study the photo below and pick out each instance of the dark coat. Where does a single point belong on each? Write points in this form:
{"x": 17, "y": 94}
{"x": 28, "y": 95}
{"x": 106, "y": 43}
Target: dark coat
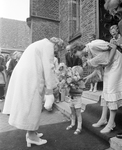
{"x": 2, "y": 74}
{"x": 2, "y": 63}
{"x": 11, "y": 66}
{"x": 72, "y": 60}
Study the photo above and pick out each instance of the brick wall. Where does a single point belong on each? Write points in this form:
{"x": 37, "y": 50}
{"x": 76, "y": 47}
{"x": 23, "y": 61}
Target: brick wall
{"x": 44, "y": 29}
{"x": 45, "y": 8}
{"x": 88, "y": 19}
{"x": 88, "y": 23}
{"x": 63, "y": 30}
{"x": 54, "y": 10}
{"x": 58, "y": 10}
{"x": 44, "y": 19}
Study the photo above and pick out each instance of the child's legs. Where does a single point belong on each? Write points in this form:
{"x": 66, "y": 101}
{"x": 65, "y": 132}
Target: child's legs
{"x": 91, "y": 86}
{"x": 79, "y": 118}
{"x": 95, "y": 87}
{"x": 73, "y": 116}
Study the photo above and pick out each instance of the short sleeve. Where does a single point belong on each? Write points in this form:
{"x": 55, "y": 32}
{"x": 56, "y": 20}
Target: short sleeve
{"x": 101, "y": 59}
{"x": 111, "y": 45}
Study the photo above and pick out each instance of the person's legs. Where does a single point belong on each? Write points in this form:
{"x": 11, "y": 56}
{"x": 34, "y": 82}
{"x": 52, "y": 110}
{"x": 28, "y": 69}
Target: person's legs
{"x": 111, "y": 124}
{"x": 103, "y": 119}
{"x": 79, "y": 118}
{"x": 95, "y": 87}
{"x": 112, "y": 117}
{"x": 73, "y": 118}
{"x": 91, "y": 87}
{"x": 79, "y": 121}
{"x": 32, "y": 137}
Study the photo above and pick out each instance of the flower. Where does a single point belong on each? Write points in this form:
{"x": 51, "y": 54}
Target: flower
{"x": 70, "y": 77}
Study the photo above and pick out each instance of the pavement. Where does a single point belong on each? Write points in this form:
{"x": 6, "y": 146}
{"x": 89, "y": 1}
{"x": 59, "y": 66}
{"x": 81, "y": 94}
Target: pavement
{"x": 59, "y": 115}
{"x": 52, "y": 117}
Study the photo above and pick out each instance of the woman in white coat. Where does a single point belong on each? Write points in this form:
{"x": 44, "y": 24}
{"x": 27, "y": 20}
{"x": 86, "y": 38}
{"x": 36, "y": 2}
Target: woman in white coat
{"x": 32, "y": 78}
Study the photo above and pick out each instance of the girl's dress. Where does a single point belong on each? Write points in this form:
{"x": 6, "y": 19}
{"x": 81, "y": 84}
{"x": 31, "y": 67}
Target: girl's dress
{"x": 112, "y": 75}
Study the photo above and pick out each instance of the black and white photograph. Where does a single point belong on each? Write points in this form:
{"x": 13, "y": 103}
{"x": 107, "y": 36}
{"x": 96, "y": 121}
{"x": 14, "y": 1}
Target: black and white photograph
{"x": 61, "y": 74}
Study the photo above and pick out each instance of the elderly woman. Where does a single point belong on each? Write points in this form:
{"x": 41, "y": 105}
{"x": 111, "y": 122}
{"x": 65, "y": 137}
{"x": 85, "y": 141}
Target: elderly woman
{"x": 32, "y": 78}
{"x": 106, "y": 54}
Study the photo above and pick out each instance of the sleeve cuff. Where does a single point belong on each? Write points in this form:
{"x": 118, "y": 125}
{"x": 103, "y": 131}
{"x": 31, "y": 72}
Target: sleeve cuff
{"x": 49, "y": 91}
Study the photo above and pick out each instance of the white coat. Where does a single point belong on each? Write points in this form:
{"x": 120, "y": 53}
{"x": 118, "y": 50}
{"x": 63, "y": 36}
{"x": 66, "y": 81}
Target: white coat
{"x": 26, "y": 88}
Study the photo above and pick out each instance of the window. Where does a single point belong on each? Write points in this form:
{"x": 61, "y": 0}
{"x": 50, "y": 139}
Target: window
{"x": 74, "y": 18}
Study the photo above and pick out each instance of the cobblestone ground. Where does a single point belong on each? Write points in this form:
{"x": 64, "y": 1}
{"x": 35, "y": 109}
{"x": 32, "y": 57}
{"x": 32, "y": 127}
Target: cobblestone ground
{"x": 47, "y": 118}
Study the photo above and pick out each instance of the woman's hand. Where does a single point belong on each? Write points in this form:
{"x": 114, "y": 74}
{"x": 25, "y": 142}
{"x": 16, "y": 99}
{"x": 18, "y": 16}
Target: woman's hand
{"x": 85, "y": 64}
{"x": 90, "y": 76}
{"x": 86, "y": 79}
{"x": 115, "y": 42}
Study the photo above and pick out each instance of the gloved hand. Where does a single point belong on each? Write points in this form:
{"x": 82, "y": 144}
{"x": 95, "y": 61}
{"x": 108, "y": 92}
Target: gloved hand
{"x": 49, "y": 100}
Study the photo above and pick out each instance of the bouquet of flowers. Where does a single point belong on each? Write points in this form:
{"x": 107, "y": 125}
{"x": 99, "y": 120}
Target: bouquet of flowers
{"x": 70, "y": 78}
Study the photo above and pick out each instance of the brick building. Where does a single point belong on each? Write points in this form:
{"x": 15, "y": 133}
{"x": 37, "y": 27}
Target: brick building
{"x": 14, "y": 35}
{"x": 70, "y": 20}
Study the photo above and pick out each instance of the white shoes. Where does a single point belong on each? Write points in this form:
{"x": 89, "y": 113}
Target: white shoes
{"x": 99, "y": 123}
{"x": 40, "y": 142}
{"x": 108, "y": 128}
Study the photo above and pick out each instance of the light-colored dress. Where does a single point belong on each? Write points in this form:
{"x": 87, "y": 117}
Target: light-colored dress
{"x": 26, "y": 89}
{"x": 112, "y": 76}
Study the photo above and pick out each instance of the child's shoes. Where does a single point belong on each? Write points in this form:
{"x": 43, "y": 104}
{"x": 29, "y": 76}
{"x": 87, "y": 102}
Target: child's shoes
{"x": 77, "y": 131}
{"x": 69, "y": 127}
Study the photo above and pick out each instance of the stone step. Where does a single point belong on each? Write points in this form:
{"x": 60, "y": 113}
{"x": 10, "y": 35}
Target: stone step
{"x": 89, "y": 98}
{"x": 86, "y": 101}
{"x": 64, "y": 108}
{"x": 95, "y": 96}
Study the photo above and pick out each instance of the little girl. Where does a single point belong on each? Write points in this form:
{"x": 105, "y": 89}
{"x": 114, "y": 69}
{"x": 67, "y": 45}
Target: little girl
{"x": 75, "y": 101}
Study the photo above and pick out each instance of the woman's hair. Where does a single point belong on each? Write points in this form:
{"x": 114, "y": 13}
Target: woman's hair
{"x": 77, "y": 46}
{"x": 114, "y": 27}
{"x": 78, "y": 69}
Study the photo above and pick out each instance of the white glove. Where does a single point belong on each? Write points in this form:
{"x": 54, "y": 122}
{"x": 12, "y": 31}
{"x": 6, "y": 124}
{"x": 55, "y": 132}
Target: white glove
{"x": 49, "y": 100}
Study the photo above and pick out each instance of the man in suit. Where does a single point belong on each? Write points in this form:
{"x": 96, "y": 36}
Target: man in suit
{"x": 72, "y": 60}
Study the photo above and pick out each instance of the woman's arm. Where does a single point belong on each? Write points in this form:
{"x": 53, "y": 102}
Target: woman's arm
{"x": 112, "y": 53}
{"x": 94, "y": 73}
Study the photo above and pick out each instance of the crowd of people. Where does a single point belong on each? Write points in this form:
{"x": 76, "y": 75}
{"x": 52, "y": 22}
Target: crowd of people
{"x": 7, "y": 64}
{"x": 31, "y": 80}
